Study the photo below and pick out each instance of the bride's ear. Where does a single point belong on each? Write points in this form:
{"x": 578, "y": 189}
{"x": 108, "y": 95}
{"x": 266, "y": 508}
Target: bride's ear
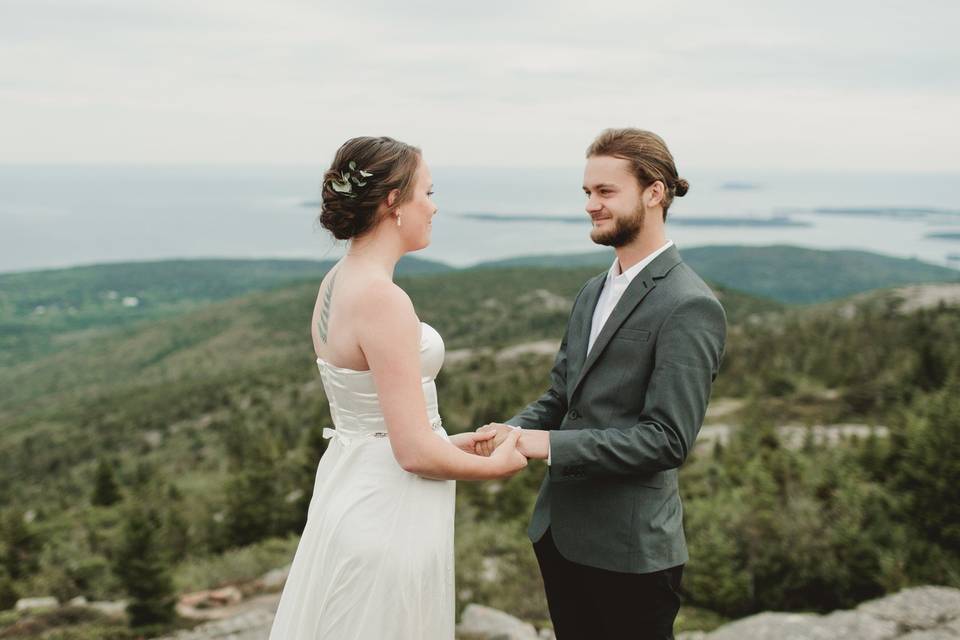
{"x": 392, "y": 197}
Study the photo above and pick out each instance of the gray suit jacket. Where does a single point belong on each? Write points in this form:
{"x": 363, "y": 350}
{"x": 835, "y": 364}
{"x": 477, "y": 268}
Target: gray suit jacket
{"x": 623, "y": 419}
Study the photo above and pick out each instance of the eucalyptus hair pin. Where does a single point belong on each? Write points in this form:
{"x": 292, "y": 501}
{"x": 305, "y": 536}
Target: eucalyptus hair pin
{"x": 349, "y": 179}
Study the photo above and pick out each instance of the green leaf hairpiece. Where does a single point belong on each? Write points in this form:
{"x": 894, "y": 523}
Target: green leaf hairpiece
{"x": 348, "y": 180}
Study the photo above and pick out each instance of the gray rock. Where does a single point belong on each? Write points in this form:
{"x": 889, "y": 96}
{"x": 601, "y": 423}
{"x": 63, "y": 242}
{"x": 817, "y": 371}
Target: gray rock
{"x": 930, "y": 634}
{"x": 779, "y": 626}
{"x": 918, "y": 608}
{"x": 839, "y": 625}
{"x": 275, "y": 578}
{"x": 114, "y": 609}
{"x": 27, "y": 604}
{"x": 252, "y": 625}
{"x": 921, "y": 613}
{"x": 479, "y": 621}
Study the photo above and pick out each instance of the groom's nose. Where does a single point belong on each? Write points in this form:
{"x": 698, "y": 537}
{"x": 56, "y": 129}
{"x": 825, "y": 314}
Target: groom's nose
{"x": 593, "y": 204}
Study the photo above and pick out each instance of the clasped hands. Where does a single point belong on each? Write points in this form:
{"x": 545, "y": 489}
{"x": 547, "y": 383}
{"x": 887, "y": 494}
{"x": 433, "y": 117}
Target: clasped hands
{"x": 532, "y": 443}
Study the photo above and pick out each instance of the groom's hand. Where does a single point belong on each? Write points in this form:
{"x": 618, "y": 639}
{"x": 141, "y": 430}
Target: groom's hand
{"x": 468, "y": 441}
{"x": 486, "y": 447}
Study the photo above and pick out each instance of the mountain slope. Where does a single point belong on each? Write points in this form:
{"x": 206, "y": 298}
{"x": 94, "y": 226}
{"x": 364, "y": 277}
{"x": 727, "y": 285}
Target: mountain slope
{"x": 43, "y": 311}
{"x": 788, "y": 274}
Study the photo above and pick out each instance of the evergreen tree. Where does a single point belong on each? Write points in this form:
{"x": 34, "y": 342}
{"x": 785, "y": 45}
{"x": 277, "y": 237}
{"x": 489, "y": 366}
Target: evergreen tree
{"x": 929, "y": 467}
{"x": 105, "y": 489}
{"x": 252, "y": 494}
{"x": 21, "y": 545}
{"x": 313, "y": 447}
{"x": 140, "y": 564}
{"x": 8, "y": 594}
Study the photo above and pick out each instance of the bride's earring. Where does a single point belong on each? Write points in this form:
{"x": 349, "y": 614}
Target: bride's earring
{"x": 398, "y": 219}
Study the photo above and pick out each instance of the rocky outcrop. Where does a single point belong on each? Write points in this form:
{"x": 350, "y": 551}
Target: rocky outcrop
{"x": 485, "y": 623}
{"x": 252, "y": 624}
{"x": 29, "y": 604}
{"x": 921, "y": 613}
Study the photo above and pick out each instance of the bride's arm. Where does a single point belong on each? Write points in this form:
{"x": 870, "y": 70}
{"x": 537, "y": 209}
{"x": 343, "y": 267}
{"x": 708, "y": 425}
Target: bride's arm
{"x": 389, "y": 335}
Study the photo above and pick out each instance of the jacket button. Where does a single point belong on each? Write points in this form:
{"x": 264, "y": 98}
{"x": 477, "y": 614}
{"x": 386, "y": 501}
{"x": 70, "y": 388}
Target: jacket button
{"x": 574, "y": 414}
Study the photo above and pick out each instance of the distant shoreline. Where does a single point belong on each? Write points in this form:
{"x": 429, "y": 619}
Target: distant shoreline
{"x": 775, "y": 221}
{"x": 886, "y": 212}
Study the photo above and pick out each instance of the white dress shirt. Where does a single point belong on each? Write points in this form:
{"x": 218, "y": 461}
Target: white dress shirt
{"x": 613, "y": 288}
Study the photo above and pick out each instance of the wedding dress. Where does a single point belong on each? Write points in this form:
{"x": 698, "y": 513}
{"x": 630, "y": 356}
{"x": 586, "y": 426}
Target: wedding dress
{"x": 375, "y": 560}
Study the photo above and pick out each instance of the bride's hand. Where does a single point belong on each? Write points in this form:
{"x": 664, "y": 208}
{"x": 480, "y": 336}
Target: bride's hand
{"x": 500, "y": 431}
{"x": 468, "y": 441}
{"x": 506, "y": 456}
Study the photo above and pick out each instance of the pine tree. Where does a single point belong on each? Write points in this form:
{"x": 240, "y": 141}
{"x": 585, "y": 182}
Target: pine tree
{"x": 8, "y": 593}
{"x": 252, "y": 494}
{"x": 930, "y": 465}
{"x": 105, "y": 489}
{"x": 308, "y": 455}
{"x": 20, "y": 543}
{"x": 142, "y": 569}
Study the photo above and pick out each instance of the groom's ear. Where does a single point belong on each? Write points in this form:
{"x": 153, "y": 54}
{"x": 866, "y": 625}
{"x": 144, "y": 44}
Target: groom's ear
{"x": 653, "y": 194}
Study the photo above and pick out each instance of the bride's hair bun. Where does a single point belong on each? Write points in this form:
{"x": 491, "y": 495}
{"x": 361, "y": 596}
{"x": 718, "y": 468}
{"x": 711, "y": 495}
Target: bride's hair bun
{"x": 681, "y": 186}
{"x": 363, "y": 172}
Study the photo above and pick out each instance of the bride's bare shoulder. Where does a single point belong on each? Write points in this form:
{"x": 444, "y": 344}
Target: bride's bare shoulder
{"x": 380, "y": 300}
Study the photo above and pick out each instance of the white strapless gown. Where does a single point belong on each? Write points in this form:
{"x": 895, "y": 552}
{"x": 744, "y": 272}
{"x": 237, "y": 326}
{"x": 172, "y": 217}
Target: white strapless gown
{"x": 375, "y": 560}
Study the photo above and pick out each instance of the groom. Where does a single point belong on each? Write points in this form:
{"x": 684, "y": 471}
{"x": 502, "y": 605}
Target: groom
{"x": 628, "y": 392}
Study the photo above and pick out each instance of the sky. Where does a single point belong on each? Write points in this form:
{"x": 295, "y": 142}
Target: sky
{"x": 841, "y": 85}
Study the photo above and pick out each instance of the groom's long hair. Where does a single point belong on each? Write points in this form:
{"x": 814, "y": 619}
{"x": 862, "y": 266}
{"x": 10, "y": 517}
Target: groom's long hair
{"x": 649, "y": 157}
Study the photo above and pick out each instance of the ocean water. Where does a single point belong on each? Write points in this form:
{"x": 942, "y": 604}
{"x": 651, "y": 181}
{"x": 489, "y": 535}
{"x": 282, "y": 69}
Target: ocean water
{"x": 55, "y": 216}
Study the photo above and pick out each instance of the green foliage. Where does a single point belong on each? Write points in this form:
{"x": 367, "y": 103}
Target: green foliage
{"x": 788, "y": 274}
{"x": 252, "y": 496}
{"x": 771, "y": 528}
{"x": 8, "y": 591}
{"x": 214, "y": 417}
{"x": 66, "y": 623}
{"x": 20, "y": 544}
{"x": 42, "y": 312}
{"x": 927, "y": 466}
{"x": 105, "y": 489}
{"x": 496, "y": 566}
{"x": 233, "y": 566}
{"x": 877, "y": 357}
{"x": 142, "y": 568}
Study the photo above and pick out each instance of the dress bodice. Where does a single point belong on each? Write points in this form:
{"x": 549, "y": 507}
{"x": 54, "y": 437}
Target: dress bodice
{"x": 352, "y": 394}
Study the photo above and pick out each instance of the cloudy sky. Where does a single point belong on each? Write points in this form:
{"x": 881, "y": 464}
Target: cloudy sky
{"x": 840, "y": 85}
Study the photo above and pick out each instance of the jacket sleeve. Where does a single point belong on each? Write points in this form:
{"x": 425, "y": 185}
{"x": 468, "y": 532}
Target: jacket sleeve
{"x": 687, "y": 359}
{"x": 547, "y": 412}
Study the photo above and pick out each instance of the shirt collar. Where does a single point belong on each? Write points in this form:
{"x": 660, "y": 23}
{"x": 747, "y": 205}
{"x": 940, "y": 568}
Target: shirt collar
{"x": 632, "y": 272}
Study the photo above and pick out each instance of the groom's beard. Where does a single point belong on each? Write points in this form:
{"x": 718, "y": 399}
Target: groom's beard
{"x": 625, "y": 229}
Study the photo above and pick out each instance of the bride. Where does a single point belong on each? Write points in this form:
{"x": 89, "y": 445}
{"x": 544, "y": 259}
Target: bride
{"x": 375, "y": 560}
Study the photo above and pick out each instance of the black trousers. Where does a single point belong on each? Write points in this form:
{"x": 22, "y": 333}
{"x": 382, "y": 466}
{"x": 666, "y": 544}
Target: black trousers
{"x": 587, "y": 603}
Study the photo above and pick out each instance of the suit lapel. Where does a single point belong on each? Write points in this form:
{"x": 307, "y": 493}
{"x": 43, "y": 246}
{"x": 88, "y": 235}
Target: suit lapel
{"x": 580, "y": 324}
{"x": 642, "y": 284}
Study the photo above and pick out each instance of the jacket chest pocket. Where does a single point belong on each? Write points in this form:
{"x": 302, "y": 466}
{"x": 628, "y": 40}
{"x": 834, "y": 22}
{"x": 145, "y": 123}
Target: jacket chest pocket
{"x": 632, "y": 335}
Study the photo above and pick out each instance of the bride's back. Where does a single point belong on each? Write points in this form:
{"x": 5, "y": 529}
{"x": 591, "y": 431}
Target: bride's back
{"x": 336, "y": 313}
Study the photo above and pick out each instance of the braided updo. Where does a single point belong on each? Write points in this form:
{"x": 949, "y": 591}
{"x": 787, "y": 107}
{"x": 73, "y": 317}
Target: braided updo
{"x": 387, "y": 164}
